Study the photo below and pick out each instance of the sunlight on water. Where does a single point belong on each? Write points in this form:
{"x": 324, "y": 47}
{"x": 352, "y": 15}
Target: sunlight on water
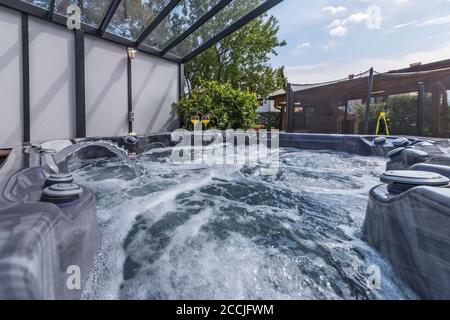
{"x": 214, "y": 232}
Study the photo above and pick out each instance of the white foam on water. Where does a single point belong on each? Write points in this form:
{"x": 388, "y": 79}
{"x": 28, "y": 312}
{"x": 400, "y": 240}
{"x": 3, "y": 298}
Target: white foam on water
{"x": 221, "y": 232}
{"x": 115, "y": 223}
{"x": 446, "y": 150}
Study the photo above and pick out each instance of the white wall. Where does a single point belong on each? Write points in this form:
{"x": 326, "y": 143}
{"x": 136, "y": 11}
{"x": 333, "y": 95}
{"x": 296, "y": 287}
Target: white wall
{"x": 155, "y": 88}
{"x": 11, "y": 129}
{"x": 52, "y": 85}
{"x": 106, "y": 88}
{"x": 52, "y": 81}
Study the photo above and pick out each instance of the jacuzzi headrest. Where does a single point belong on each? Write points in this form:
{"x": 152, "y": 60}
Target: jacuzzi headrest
{"x": 430, "y": 167}
{"x": 400, "y": 142}
{"x": 379, "y": 140}
{"x": 396, "y": 152}
{"x": 402, "y": 180}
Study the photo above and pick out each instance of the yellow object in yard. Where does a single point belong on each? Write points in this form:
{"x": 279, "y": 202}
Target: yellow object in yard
{"x": 382, "y": 120}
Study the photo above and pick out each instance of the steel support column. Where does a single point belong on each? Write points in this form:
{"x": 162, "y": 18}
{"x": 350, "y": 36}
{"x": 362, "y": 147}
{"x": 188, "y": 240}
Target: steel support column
{"x": 420, "y": 109}
{"x": 130, "y": 94}
{"x": 290, "y": 102}
{"x": 26, "y": 79}
{"x": 51, "y": 9}
{"x": 435, "y": 110}
{"x": 80, "y": 86}
{"x": 369, "y": 98}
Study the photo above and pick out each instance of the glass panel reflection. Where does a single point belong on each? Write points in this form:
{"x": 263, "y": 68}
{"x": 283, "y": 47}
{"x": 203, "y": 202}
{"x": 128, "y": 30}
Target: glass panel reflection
{"x": 225, "y": 18}
{"x": 133, "y": 16}
{"x": 39, "y": 3}
{"x": 185, "y": 14}
{"x": 92, "y": 12}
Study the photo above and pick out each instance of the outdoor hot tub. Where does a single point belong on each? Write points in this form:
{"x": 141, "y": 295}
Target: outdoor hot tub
{"x": 135, "y": 224}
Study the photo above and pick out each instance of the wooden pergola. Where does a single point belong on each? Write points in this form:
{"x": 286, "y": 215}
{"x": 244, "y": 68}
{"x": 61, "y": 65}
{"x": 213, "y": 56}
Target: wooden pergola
{"x": 433, "y": 78}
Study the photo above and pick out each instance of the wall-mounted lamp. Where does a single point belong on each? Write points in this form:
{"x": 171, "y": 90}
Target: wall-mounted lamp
{"x": 131, "y": 53}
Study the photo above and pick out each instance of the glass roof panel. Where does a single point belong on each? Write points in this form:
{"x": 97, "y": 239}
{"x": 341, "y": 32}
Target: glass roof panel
{"x": 133, "y": 16}
{"x": 92, "y": 11}
{"x": 39, "y": 3}
{"x": 183, "y": 16}
{"x": 224, "y": 19}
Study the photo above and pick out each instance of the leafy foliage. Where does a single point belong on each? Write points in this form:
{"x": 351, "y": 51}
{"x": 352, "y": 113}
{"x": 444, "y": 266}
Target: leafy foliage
{"x": 227, "y": 108}
{"x": 269, "y": 120}
{"x": 402, "y": 113}
{"x": 242, "y": 59}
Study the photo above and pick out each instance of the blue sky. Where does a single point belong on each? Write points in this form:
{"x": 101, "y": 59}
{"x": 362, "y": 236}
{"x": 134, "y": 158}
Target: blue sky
{"x": 330, "y": 39}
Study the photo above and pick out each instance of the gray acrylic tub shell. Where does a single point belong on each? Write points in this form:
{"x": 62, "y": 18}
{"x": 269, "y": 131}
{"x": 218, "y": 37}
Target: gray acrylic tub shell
{"x": 412, "y": 231}
{"x": 39, "y": 241}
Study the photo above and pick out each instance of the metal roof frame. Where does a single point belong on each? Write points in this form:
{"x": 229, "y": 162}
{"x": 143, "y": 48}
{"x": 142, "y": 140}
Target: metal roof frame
{"x": 216, "y": 9}
{"x": 109, "y": 15}
{"x": 155, "y": 23}
{"x": 101, "y": 31}
{"x": 231, "y": 29}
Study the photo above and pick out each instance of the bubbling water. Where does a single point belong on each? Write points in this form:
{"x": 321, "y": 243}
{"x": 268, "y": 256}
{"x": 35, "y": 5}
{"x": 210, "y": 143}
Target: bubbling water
{"x": 225, "y": 232}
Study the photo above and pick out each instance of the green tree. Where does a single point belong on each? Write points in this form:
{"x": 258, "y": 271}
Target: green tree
{"x": 242, "y": 59}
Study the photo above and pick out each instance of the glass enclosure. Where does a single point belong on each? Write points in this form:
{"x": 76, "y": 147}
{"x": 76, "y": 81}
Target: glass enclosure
{"x": 178, "y": 21}
{"x": 92, "y": 11}
{"x": 39, "y": 3}
{"x": 224, "y": 19}
{"x": 133, "y": 16}
{"x": 175, "y": 28}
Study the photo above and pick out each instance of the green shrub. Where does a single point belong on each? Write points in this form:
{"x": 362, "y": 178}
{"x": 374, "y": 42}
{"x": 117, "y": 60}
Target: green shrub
{"x": 269, "y": 120}
{"x": 227, "y": 108}
{"x": 401, "y": 112}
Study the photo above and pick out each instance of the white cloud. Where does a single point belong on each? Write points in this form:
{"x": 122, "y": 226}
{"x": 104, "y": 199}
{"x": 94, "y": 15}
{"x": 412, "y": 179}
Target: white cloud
{"x": 303, "y": 45}
{"x": 407, "y": 24}
{"x": 333, "y": 70}
{"x": 339, "y": 27}
{"x": 428, "y": 22}
{"x": 329, "y": 45}
{"x": 335, "y": 10}
{"x": 338, "y": 30}
{"x": 356, "y": 18}
{"x": 435, "y": 21}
